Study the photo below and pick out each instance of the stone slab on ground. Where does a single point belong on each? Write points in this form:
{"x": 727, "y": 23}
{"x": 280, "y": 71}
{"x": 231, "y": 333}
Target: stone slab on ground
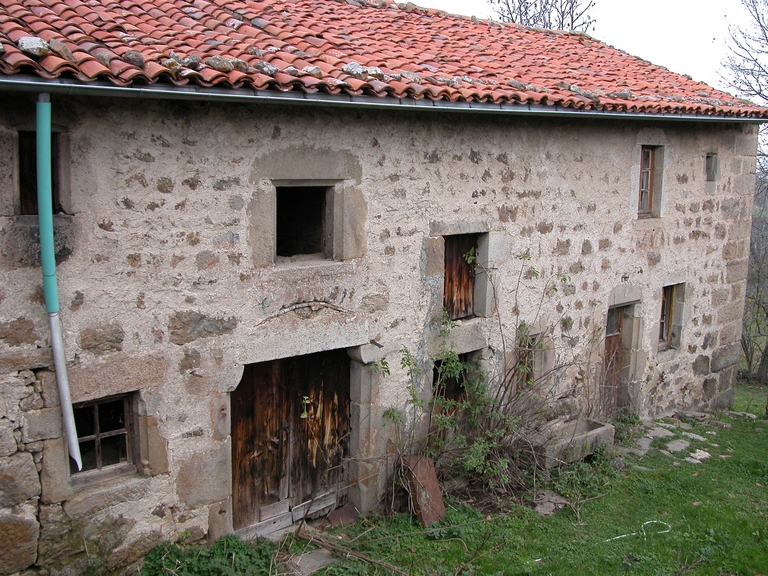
{"x": 700, "y": 416}
{"x": 344, "y": 516}
{"x": 659, "y": 432}
{"x": 700, "y": 454}
{"x": 311, "y": 562}
{"x": 733, "y": 414}
{"x": 678, "y": 445}
{"x": 425, "y": 490}
{"x": 693, "y": 436}
{"x": 548, "y": 502}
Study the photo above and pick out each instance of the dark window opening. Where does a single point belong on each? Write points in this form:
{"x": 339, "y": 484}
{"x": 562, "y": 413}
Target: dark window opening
{"x": 448, "y": 378}
{"x": 665, "y": 322}
{"x": 103, "y": 433}
{"x": 670, "y": 320}
{"x": 711, "y": 166}
{"x": 301, "y": 220}
{"x": 449, "y": 397}
{"x": 28, "y": 173}
{"x": 459, "y": 281}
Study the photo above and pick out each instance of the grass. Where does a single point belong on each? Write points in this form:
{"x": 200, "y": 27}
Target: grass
{"x": 658, "y": 515}
{"x": 654, "y": 515}
{"x": 751, "y": 398}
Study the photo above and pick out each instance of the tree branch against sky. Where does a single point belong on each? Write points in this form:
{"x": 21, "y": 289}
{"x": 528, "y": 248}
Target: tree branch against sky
{"x": 551, "y": 14}
{"x": 746, "y": 72}
{"x": 747, "y": 64}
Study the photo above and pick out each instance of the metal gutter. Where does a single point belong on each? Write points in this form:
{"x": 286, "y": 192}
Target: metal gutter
{"x": 69, "y": 87}
{"x": 48, "y": 258}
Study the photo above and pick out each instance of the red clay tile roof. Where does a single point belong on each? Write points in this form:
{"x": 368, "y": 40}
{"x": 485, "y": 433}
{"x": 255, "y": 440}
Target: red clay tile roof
{"x": 350, "y": 47}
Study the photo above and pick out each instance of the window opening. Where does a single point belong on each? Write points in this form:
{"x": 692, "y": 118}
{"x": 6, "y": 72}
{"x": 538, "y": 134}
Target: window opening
{"x": 670, "y": 320}
{"x": 459, "y": 279}
{"x": 649, "y": 195}
{"x": 301, "y": 221}
{"x": 28, "y": 173}
{"x": 103, "y": 434}
{"x": 448, "y": 377}
{"x": 711, "y": 167}
{"x": 524, "y": 374}
{"x": 647, "y": 181}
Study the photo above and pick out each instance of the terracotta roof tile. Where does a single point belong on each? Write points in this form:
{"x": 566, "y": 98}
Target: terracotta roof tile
{"x": 457, "y": 59}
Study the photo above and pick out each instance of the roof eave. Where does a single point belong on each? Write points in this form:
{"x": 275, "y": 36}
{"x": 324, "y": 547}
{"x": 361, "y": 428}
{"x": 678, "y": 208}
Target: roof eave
{"x": 63, "y": 86}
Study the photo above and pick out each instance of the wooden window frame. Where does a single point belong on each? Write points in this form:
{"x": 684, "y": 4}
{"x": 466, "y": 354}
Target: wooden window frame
{"x": 651, "y": 182}
{"x": 647, "y": 185}
{"x": 104, "y": 472}
{"x": 665, "y": 320}
{"x": 670, "y": 317}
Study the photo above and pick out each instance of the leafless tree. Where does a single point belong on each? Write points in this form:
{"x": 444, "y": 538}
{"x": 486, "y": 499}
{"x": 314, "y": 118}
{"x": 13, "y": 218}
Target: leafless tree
{"x": 747, "y": 64}
{"x": 746, "y": 71}
{"x": 754, "y": 340}
{"x": 550, "y": 14}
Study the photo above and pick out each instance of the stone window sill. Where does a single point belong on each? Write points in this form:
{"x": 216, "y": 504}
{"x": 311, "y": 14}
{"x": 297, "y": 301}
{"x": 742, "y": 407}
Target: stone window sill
{"x": 83, "y": 480}
{"x": 647, "y": 223}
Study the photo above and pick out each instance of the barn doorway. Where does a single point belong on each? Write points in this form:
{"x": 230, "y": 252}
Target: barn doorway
{"x": 616, "y": 362}
{"x": 290, "y": 430}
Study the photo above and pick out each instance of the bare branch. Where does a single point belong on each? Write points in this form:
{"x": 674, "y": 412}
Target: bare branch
{"x": 550, "y": 14}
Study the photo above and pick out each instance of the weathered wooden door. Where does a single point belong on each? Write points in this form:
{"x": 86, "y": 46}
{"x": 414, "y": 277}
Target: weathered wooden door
{"x": 459, "y": 278}
{"x": 615, "y": 393}
{"x": 290, "y": 426}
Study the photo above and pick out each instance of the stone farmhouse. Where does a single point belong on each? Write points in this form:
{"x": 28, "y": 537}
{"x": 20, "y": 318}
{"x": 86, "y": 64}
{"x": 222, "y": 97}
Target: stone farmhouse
{"x": 255, "y": 202}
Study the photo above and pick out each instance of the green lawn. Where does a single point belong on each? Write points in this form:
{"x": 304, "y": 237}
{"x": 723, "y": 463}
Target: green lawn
{"x": 751, "y": 398}
{"x": 659, "y": 515}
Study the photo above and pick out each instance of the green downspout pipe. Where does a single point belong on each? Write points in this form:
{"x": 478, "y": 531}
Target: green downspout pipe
{"x": 48, "y": 258}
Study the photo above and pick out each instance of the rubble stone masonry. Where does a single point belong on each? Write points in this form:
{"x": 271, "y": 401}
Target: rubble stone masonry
{"x": 169, "y": 285}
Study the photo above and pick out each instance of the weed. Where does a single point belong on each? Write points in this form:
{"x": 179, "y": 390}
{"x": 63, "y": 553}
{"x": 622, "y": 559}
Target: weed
{"x": 229, "y": 556}
{"x": 628, "y": 427}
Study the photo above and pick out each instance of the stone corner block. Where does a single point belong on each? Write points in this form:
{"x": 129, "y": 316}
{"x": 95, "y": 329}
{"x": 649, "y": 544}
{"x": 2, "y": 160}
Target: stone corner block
{"x": 369, "y": 353}
{"x": 466, "y": 336}
{"x": 219, "y": 520}
{"x": 54, "y": 475}
{"x": 203, "y": 477}
{"x": 90, "y": 500}
{"x": 50, "y": 389}
{"x": 364, "y": 494}
{"x": 701, "y": 366}
{"x": 19, "y": 535}
{"x": 725, "y": 357}
{"x": 434, "y": 256}
{"x": 18, "y": 479}
{"x": 723, "y": 401}
{"x": 154, "y": 448}
{"x": 7, "y": 440}
{"x": 41, "y": 425}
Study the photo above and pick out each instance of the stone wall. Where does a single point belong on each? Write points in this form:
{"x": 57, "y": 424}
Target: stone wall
{"x": 169, "y": 285}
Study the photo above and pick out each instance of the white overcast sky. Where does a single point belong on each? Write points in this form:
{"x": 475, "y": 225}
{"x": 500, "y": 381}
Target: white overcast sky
{"x": 686, "y": 36}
